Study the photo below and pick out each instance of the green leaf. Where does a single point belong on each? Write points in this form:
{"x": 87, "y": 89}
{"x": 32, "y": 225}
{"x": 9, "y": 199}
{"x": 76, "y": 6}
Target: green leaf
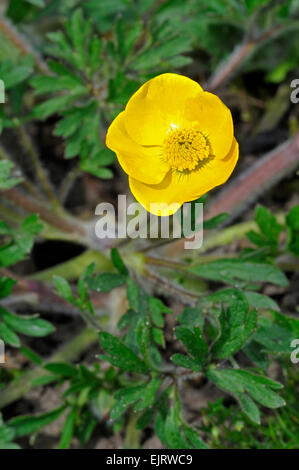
{"x": 57, "y": 104}
{"x": 174, "y": 437}
{"x": 257, "y": 354}
{"x": 151, "y": 358}
{"x": 63, "y": 288}
{"x": 63, "y": 369}
{"x": 106, "y": 281}
{"x": 277, "y": 332}
{"x": 149, "y": 393}
{"x": 52, "y": 84}
{"x": 292, "y": 221}
{"x": 124, "y": 398}
{"x": 194, "y": 343}
{"x": 194, "y": 438}
{"x": 118, "y": 262}
{"x": 261, "y": 301}
{"x": 9, "y": 446}
{"x": 190, "y": 317}
{"x": 27, "y": 325}
{"x": 120, "y": 355}
{"x": 68, "y": 429}
{"x": 158, "y": 337}
{"x": 6, "y": 433}
{"x": 21, "y": 240}
{"x": 13, "y": 74}
{"x": 185, "y": 361}
{"x": 133, "y": 295}
{"x": 241, "y": 383}
{"x": 156, "y": 311}
{"x": 230, "y": 270}
{"x": 214, "y": 222}
{"x": 8, "y": 336}
{"x": 249, "y": 407}
{"x": 237, "y": 324}
{"x": 44, "y": 380}
{"x": 6, "y": 181}
{"x": 6, "y": 285}
{"x": 268, "y": 224}
{"x": 24, "y": 425}
{"x": 31, "y": 355}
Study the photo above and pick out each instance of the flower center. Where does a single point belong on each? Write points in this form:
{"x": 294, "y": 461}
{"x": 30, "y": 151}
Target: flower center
{"x": 185, "y": 149}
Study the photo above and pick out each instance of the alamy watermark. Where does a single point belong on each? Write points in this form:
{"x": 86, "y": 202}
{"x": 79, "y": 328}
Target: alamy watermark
{"x": 294, "y": 97}
{"x": 2, "y": 92}
{"x": 295, "y": 353}
{"x": 134, "y": 221}
{"x": 2, "y": 352}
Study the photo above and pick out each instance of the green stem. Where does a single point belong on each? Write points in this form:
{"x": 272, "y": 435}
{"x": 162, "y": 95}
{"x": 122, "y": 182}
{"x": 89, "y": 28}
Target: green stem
{"x": 73, "y": 268}
{"x": 132, "y": 439}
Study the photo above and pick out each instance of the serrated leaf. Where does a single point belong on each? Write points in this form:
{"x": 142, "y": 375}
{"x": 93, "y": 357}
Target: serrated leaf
{"x": 124, "y": 398}
{"x": 241, "y": 383}
{"x": 194, "y": 343}
{"x": 190, "y": 317}
{"x": 237, "y": 324}
{"x": 267, "y": 224}
{"x": 149, "y": 394}
{"x": 120, "y": 355}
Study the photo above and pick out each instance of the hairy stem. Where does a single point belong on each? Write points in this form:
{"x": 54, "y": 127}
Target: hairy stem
{"x": 40, "y": 172}
{"x": 20, "y": 43}
{"x": 62, "y": 222}
{"x": 68, "y": 183}
{"x": 237, "y": 57}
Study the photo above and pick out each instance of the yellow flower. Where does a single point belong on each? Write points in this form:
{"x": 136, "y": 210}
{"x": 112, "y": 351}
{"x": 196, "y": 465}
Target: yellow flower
{"x": 175, "y": 141}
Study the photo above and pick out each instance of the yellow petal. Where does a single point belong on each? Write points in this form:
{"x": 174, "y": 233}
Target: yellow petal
{"x": 159, "y": 105}
{"x": 144, "y": 163}
{"x": 163, "y": 193}
{"x": 210, "y": 116}
{"x": 213, "y": 174}
{"x": 177, "y": 189}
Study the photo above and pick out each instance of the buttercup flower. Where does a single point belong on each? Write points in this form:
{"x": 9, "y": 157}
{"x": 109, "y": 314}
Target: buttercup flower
{"x": 175, "y": 141}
